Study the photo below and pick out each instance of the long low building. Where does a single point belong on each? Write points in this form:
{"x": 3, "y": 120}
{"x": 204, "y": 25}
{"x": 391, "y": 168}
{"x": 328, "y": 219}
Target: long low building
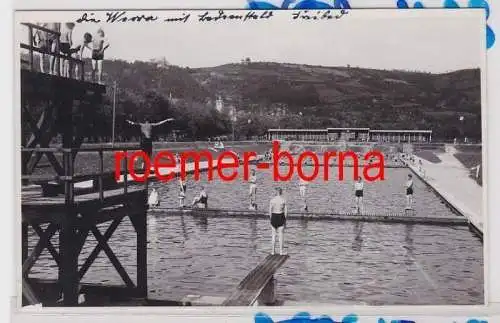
{"x": 350, "y": 134}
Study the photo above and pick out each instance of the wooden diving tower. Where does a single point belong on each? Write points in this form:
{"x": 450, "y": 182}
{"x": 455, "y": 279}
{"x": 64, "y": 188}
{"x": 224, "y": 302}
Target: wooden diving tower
{"x": 56, "y": 107}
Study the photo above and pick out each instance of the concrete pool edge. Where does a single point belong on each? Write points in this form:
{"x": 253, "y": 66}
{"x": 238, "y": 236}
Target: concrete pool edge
{"x": 476, "y": 228}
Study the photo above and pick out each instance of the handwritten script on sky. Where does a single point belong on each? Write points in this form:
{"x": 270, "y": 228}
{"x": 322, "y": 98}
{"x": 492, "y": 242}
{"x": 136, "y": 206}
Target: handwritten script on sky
{"x": 207, "y": 16}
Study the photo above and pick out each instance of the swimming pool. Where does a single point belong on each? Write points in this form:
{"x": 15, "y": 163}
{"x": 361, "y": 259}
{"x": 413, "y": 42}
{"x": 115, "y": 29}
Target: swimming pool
{"x": 330, "y": 261}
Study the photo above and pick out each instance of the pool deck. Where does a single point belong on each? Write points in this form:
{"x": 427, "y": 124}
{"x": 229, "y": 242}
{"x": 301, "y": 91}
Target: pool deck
{"x": 450, "y": 179}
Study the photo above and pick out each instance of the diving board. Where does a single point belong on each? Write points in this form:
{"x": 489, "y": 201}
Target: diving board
{"x": 406, "y": 217}
{"x": 254, "y": 284}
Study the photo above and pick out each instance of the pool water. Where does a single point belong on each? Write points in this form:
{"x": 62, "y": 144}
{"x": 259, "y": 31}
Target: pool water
{"x": 330, "y": 261}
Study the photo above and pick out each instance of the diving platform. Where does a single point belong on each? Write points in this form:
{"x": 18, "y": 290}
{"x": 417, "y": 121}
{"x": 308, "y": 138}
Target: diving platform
{"x": 258, "y": 285}
{"x": 406, "y": 217}
{"x": 58, "y": 111}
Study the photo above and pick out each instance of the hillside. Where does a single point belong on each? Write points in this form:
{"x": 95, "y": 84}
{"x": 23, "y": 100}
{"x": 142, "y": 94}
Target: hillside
{"x": 272, "y": 95}
{"x": 349, "y": 97}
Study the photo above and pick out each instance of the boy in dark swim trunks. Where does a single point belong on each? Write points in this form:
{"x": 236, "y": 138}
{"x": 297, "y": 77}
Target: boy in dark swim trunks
{"x": 277, "y": 215}
{"x": 99, "y": 45}
{"x": 409, "y": 192}
{"x": 146, "y": 134}
{"x": 65, "y": 44}
{"x": 358, "y": 193}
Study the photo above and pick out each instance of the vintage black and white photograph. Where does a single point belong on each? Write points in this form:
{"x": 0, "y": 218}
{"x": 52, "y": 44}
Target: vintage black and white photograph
{"x": 242, "y": 158}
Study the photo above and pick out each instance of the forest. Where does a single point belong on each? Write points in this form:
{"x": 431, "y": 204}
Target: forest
{"x": 261, "y": 95}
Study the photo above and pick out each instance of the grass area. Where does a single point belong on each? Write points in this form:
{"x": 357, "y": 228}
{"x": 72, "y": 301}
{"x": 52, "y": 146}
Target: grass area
{"x": 430, "y": 147}
{"x": 469, "y": 148}
{"x": 470, "y": 159}
{"x": 428, "y": 155}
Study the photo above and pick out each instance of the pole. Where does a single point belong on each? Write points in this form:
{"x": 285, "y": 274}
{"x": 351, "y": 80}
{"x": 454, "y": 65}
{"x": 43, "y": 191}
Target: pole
{"x": 234, "y": 120}
{"x": 114, "y": 114}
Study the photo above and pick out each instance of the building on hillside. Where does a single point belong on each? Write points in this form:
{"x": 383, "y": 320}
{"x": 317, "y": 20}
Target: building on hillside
{"x": 350, "y": 134}
{"x": 219, "y": 104}
{"x": 298, "y": 134}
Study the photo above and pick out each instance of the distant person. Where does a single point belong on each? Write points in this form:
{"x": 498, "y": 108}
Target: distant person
{"x": 277, "y": 214}
{"x": 146, "y": 134}
{"x": 358, "y": 193}
{"x": 182, "y": 191}
{"x": 65, "y": 47}
{"x": 99, "y": 45}
{"x": 253, "y": 190}
{"x": 409, "y": 192}
{"x": 153, "y": 200}
{"x": 201, "y": 201}
{"x": 303, "y": 192}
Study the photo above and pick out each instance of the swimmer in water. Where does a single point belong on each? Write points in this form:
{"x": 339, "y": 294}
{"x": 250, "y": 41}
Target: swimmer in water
{"x": 409, "y": 192}
{"x": 253, "y": 190}
{"x": 277, "y": 215}
{"x": 182, "y": 191}
{"x": 303, "y": 191}
{"x": 358, "y": 193}
{"x": 201, "y": 201}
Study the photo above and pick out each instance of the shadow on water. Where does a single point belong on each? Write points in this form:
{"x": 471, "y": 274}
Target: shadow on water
{"x": 183, "y": 228}
{"x": 409, "y": 237}
{"x": 357, "y": 243}
{"x": 153, "y": 233}
{"x": 253, "y": 233}
{"x": 303, "y": 224}
{"x": 202, "y": 222}
{"x": 408, "y": 247}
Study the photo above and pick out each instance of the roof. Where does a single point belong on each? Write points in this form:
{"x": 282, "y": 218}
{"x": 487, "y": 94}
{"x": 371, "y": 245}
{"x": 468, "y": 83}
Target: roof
{"x": 297, "y": 130}
{"x": 402, "y": 131}
{"x": 351, "y": 129}
{"x": 364, "y": 129}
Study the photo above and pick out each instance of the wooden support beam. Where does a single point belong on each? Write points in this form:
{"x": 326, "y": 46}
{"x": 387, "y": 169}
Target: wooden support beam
{"x": 112, "y": 257}
{"x": 42, "y": 133}
{"x": 28, "y": 293}
{"x": 93, "y": 255}
{"x": 68, "y": 271}
{"x": 40, "y": 246}
{"x": 24, "y": 241}
{"x": 139, "y": 221}
{"x": 50, "y": 247}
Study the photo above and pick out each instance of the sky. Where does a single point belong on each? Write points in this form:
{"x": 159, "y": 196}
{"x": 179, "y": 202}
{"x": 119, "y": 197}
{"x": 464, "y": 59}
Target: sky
{"x": 430, "y": 40}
